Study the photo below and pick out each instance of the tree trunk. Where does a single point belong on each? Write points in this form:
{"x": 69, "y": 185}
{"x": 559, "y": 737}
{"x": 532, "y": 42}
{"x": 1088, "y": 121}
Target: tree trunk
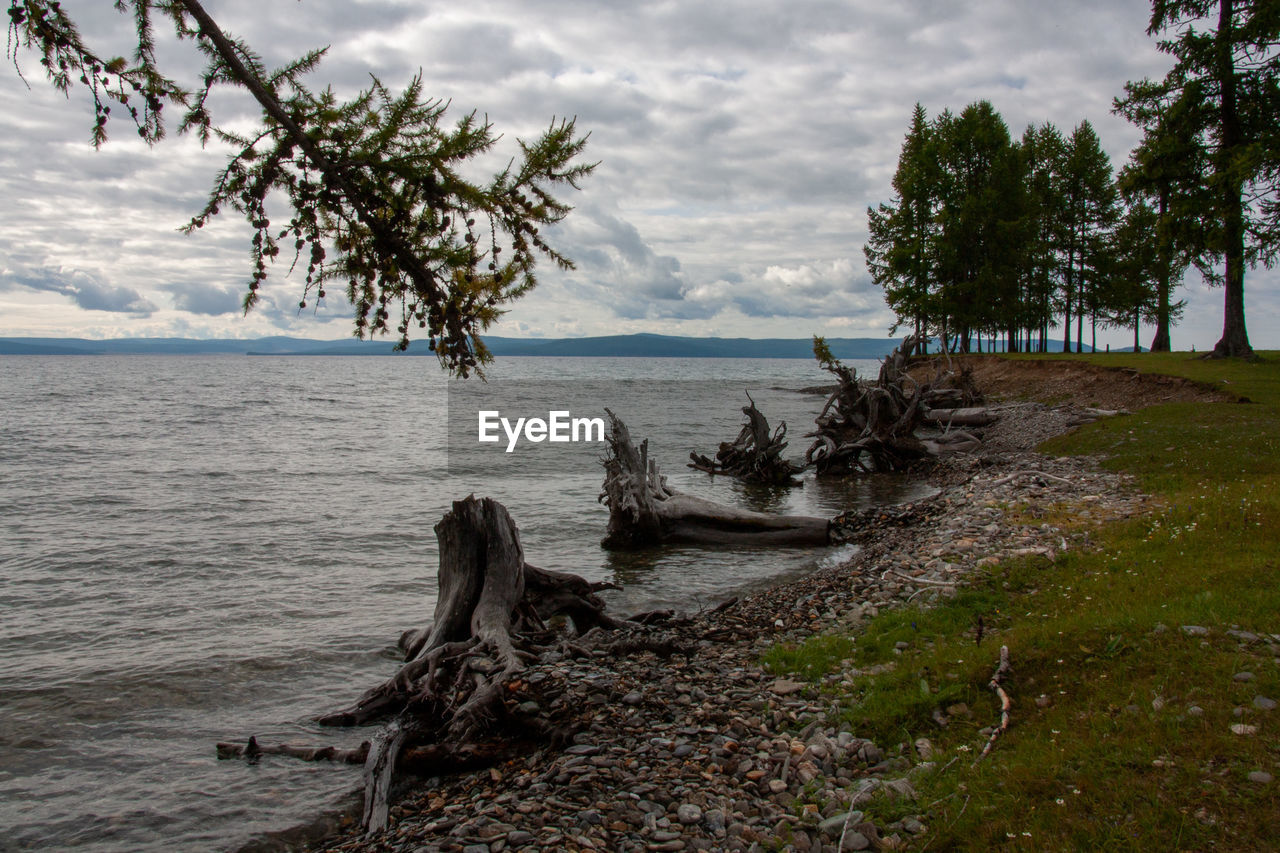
{"x": 1161, "y": 342}
{"x": 1235, "y": 339}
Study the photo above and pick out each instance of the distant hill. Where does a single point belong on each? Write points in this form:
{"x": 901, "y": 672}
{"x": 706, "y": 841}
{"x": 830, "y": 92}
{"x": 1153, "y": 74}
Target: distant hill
{"x": 639, "y": 346}
{"x": 642, "y": 346}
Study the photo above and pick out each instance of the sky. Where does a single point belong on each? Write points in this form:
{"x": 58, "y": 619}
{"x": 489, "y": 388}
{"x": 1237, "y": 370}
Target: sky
{"x": 739, "y": 146}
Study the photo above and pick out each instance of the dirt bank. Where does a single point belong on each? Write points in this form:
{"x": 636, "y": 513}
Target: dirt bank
{"x": 1063, "y": 381}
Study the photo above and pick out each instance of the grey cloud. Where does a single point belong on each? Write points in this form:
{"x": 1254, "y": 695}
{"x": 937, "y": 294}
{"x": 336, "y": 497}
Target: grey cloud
{"x": 205, "y": 299}
{"x": 84, "y": 288}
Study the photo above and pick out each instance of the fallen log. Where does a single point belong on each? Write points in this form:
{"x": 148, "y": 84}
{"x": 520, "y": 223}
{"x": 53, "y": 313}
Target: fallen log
{"x": 645, "y": 511}
{"x": 755, "y": 456}
{"x": 971, "y": 416}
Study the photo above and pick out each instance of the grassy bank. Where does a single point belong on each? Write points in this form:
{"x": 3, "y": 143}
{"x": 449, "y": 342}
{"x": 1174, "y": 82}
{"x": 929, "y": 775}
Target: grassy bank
{"x": 1140, "y": 696}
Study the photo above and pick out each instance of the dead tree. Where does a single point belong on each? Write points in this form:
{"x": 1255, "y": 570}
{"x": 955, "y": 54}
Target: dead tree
{"x": 876, "y": 426}
{"x": 645, "y": 511}
{"x": 454, "y": 704}
{"x": 868, "y": 426}
{"x": 755, "y": 456}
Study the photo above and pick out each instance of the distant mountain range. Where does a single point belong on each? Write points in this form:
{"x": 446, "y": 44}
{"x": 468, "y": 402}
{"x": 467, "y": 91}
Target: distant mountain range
{"x": 642, "y": 346}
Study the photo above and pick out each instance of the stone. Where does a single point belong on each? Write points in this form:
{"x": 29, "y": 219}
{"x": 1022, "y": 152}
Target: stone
{"x": 777, "y": 786}
{"x": 1244, "y": 729}
{"x": 901, "y": 788}
{"x": 1195, "y": 630}
{"x": 688, "y": 814}
{"x": 1243, "y": 676}
{"x": 1262, "y": 777}
{"x": 834, "y": 824}
{"x": 855, "y": 841}
{"x": 785, "y": 687}
{"x": 1262, "y": 703}
{"x": 1196, "y": 711}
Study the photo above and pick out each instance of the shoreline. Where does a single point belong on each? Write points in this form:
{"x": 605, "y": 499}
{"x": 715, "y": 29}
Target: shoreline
{"x": 717, "y": 753}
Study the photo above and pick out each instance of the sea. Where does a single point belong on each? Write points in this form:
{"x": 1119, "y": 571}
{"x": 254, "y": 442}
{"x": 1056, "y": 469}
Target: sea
{"x": 197, "y": 549}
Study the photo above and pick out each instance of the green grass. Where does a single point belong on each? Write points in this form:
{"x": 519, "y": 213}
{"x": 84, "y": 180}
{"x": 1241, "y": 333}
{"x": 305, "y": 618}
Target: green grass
{"x": 1113, "y": 760}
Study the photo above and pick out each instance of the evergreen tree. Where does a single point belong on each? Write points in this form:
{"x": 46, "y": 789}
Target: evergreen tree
{"x": 900, "y": 234}
{"x": 1138, "y": 264}
{"x": 1043, "y": 150}
{"x": 1088, "y": 213}
{"x": 1224, "y": 83}
{"x": 981, "y": 221}
{"x": 372, "y": 188}
{"x": 1165, "y": 170}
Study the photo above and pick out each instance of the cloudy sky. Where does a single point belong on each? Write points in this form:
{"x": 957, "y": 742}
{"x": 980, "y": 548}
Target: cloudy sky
{"x": 740, "y": 144}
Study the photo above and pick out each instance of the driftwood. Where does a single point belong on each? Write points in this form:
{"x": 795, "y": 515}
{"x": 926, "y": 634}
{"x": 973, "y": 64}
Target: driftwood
{"x": 997, "y": 685}
{"x": 755, "y": 456}
{"x": 959, "y": 417}
{"x": 869, "y": 426}
{"x": 876, "y": 426}
{"x": 456, "y": 703}
{"x": 645, "y": 511}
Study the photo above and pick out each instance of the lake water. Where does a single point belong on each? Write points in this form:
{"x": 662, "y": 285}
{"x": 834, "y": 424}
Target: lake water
{"x": 200, "y": 548}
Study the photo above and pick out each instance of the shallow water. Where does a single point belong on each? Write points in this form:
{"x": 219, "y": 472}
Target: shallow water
{"x": 199, "y": 548}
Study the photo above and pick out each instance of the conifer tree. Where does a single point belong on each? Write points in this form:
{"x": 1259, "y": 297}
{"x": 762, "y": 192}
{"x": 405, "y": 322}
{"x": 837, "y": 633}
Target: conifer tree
{"x": 981, "y": 219}
{"x": 1089, "y": 212}
{"x": 368, "y": 192}
{"x": 900, "y": 234}
{"x": 1043, "y": 150}
{"x": 1165, "y": 171}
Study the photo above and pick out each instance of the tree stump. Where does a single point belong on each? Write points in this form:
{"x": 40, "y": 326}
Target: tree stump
{"x": 755, "y": 456}
{"x": 452, "y": 702}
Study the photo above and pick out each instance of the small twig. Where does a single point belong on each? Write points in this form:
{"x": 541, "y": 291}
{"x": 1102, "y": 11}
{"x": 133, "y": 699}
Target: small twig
{"x": 845, "y": 829}
{"x": 1005, "y": 702}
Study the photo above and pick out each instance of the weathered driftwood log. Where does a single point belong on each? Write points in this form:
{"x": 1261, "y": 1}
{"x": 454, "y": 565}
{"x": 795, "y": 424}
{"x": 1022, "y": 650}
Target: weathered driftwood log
{"x": 455, "y": 701}
{"x": 969, "y": 416}
{"x": 755, "y": 456}
{"x": 644, "y": 510}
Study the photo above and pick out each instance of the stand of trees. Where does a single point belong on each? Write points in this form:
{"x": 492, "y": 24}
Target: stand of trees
{"x": 1005, "y": 240}
{"x": 1008, "y": 240}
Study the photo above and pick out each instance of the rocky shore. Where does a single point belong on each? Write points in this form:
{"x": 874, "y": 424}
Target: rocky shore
{"x": 693, "y": 746}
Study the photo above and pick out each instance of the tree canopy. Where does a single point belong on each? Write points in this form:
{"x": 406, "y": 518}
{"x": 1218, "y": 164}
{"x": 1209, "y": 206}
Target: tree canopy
{"x": 365, "y": 191}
